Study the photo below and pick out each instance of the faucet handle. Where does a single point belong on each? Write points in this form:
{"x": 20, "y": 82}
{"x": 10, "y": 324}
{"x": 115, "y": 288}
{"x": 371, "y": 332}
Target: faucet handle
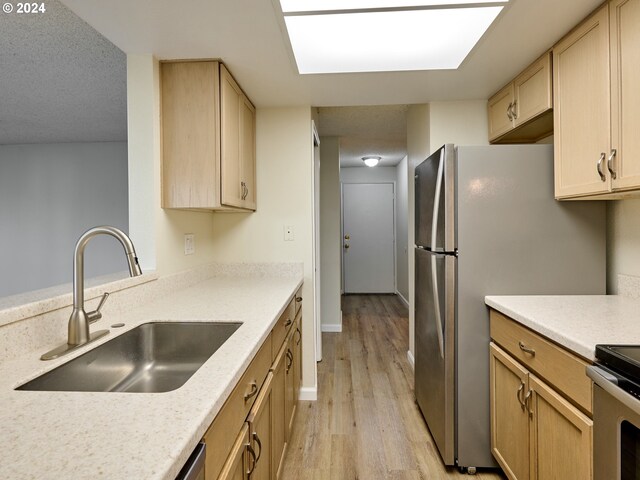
{"x": 96, "y": 315}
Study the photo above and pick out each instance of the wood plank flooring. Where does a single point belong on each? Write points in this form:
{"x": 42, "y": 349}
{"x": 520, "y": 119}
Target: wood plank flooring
{"x": 365, "y": 424}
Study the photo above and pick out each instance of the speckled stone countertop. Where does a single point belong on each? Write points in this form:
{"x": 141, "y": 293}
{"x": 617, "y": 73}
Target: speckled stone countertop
{"x": 78, "y": 435}
{"x": 576, "y": 322}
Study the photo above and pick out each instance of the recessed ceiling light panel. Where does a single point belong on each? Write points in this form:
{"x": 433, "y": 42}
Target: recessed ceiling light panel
{"x": 331, "y": 5}
{"x": 387, "y": 41}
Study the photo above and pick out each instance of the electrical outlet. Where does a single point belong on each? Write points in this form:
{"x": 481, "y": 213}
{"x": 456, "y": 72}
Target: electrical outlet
{"x": 288, "y": 233}
{"x": 189, "y": 244}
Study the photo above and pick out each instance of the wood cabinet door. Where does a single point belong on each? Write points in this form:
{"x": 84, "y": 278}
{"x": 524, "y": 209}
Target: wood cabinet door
{"x": 581, "y": 108}
{"x": 509, "y": 416}
{"x": 289, "y": 371}
{"x": 533, "y": 93}
{"x": 260, "y": 421}
{"x": 230, "y": 122}
{"x": 278, "y": 427}
{"x": 625, "y": 93}
{"x": 561, "y": 436}
{"x": 190, "y": 134}
{"x": 297, "y": 358}
{"x": 238, "y": 464}
{"x": 499, "y": 108}
{"x": 248, "y": 153}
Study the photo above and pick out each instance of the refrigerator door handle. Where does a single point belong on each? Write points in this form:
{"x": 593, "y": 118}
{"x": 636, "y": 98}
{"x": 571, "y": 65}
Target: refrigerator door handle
{"x": 436, "y": 304}
{"x": 436, "y": 202}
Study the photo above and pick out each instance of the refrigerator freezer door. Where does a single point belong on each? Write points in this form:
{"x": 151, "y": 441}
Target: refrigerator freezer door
{"x": 434, "y": 361}
{"x": 435, "y": 201}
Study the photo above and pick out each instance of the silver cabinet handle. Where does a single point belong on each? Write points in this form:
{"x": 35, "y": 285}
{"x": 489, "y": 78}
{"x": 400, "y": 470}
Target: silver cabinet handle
{"x": 514, "y": 111}
{"x": 253, "y": 457}
{"x": 254, "y": 390}
{"x": 526, "y": 349}
{"x": 257, "y": 439}
{"x": 520, "y": 390}
{"x": 509, "y": 114}
{"x": 290, "y": 358}
{"x": 288, "y": 322}
{"x": 298, "y": 299}
{"x": 299, "y": 337}
{"x": 610, "y": 163}
{"x": 600, "y": 171}
{"x": 527, "y": 399}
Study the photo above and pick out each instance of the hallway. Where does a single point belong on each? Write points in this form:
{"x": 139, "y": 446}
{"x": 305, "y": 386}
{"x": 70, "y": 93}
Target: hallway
{"x": 365, "y": 424}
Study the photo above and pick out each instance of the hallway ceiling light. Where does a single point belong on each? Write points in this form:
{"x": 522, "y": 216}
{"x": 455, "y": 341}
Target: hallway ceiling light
{"x": 371, "y": 161}
{"x": 332, "y": 36}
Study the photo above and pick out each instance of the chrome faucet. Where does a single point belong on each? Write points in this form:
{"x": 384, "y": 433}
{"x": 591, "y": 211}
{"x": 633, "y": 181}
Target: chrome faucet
{"x": 80, "y": 320}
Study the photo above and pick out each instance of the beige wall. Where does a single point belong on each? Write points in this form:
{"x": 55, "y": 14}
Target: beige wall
{"x": 157, "y": 234}
{"x": 402, "y": 240}
{"x": 330, "y": 241}
{"x": 462, "y": 123}
{"x": 284, "y": 166}
{"x": 417, "y": 150}
{"x": 623, "y": 241}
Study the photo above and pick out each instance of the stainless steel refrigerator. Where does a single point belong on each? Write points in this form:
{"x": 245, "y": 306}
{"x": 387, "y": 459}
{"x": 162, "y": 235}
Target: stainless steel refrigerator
{"x": 487, "y": 224}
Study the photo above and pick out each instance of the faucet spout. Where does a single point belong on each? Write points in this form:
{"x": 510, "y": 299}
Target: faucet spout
{"x": 79, "y": 322}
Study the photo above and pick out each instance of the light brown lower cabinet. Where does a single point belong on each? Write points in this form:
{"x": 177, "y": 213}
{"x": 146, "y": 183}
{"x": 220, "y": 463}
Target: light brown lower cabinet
{"x": 260, "y": 423}
{"x": 262, "y": 407}
{"x": 237, "y": 465}
{"x": 535, "y": 432}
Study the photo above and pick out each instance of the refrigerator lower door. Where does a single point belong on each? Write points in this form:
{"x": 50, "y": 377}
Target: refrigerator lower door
{"x": 434, "y": 347}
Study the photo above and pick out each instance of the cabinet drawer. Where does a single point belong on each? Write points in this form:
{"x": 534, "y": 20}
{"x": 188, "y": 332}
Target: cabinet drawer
{"x": 235, "y": 411}
{"x": 282, "y": 328}
{"x": 565, "y": 371}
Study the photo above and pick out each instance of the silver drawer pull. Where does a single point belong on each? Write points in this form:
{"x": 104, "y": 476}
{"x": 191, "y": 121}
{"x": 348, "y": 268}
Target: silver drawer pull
{"x": 254, "y": 390}
{"x": 526, "y": 349}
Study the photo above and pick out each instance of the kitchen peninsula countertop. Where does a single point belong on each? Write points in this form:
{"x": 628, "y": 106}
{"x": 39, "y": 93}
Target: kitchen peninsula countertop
{"x": 576, "y": 322}
{"x": 80, "y": 435}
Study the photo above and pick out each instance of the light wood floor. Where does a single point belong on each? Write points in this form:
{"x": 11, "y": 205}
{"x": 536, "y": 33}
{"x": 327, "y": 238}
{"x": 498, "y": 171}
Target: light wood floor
{"x": 365, "y": 424}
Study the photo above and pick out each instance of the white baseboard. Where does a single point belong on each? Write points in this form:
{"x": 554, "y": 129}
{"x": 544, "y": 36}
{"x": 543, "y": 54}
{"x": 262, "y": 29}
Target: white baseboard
{"x": 332, "y": 328}
{"x": 308, "y": 393}
{"x": 412, "y": 360}
{"x": 404, "y": 300}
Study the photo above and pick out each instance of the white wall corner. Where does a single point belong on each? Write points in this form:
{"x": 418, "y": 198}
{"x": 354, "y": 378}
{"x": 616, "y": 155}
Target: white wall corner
{"x": 332, "y": 328}
{"x": 308, "y": 393}
{"x": 411, "y": 359}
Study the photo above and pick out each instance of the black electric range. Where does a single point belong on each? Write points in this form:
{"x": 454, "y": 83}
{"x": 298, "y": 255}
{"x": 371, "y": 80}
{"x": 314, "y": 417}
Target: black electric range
{"x": 622, "y": 362}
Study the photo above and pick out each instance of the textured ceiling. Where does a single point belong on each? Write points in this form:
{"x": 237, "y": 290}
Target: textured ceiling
{"x": 366, "y": 130}
{"x": 61, "y": 80}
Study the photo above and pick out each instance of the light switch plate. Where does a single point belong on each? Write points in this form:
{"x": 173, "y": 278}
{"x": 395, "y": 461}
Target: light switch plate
{"x": 189, "y": 244}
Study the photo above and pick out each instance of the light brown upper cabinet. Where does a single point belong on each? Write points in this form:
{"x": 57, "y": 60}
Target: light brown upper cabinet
{"x": 597, "y": 105}
{"x": 521, "y": 111}
{"x": 208, "y": 139}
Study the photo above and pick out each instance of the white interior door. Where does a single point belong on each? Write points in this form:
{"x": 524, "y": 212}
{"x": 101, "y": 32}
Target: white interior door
{"x": 368, "y": 237}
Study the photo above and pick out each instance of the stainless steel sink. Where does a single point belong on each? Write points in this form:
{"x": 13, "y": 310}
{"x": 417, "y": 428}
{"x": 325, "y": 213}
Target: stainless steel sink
{"x": 151, "y": 358}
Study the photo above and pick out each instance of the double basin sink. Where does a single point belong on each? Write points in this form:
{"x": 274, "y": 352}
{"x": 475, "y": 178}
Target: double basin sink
{"x": 151, "y": 358}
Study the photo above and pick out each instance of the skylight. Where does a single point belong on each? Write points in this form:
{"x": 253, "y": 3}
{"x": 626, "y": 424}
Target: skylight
{"x": 342, "y": 36}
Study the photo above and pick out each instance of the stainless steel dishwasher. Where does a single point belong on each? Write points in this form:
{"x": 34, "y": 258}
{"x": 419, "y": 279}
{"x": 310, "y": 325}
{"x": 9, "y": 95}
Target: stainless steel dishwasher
{"x": 194, "y": 468}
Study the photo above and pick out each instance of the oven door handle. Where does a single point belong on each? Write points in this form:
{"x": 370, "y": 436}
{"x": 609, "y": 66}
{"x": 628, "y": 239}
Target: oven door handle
{"x": 609, "y": 383}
